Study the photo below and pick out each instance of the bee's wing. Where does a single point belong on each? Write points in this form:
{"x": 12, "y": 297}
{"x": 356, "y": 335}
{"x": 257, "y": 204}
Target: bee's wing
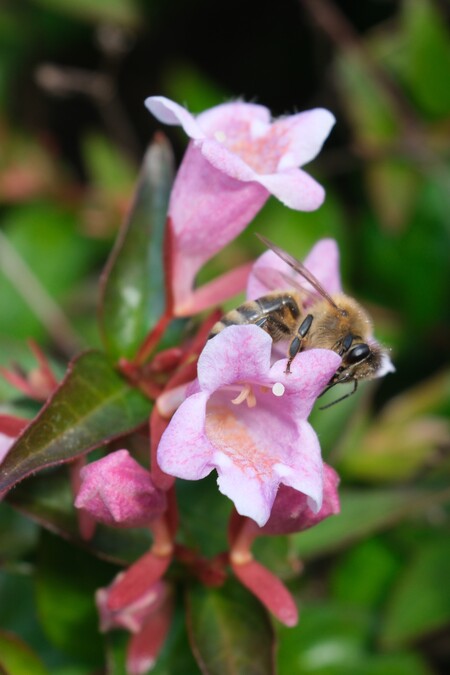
{"x": 273, "y": 280}
{"x": 298, "y": 267}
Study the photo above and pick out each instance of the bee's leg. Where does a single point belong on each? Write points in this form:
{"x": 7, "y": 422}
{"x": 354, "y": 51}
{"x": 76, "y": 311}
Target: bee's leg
{"x": 296, "y": 343}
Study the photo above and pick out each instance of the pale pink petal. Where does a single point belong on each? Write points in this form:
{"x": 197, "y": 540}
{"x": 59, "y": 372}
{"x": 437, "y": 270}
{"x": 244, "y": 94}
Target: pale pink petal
{"x": 323, "y": 262}
{"x": 252, "y": 495}
{"x": 268, "y": 274}
{"x": 208, "y": 207}
{"x": 271, "y": 273}
{"x": 169, "y": 112}
{"x": 184, "y": 451}
{"x": 234, "y": 119}
{"x": 228, "y": 162}
{"x": 291, "y": 512}
{"x": 118, "y": 491}
{"x": 257, "y": 448}
{"x": 294, "y": 188}
{"x": 310, "y": 373}
{"x": 216, "y": 291}
{"x": 307, "y": 132}
{"x": 237, "y": 354}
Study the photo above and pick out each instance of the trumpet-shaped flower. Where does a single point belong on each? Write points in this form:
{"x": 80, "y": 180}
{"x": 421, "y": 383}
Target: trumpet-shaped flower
{"x": 246, "y": 418}
{"x": 237, "y": 157}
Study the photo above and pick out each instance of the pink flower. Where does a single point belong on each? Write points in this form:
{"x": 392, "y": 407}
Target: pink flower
{"x": 236, "y": 421}
{"x": 148, "y": 618}
{"x": 237, "y": 157}
{"x": 118, "y": 491}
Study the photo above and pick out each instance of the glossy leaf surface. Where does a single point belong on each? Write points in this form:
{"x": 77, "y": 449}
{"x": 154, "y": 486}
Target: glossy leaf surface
{"x": 92, "y": 405}
{"x": 230, "y": 631}
{"x": 133, "y": 288}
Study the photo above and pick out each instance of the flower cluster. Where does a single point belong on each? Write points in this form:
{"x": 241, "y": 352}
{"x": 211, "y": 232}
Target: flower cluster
{"x": 228, "y": 404}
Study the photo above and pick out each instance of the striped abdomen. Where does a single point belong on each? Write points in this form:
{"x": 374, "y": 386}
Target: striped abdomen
{"x": 277, "y": 313}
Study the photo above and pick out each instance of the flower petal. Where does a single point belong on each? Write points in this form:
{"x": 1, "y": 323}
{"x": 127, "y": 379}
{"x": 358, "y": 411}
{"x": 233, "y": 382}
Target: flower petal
{"x": 169, "y": 112}
{"x": 184, "y": 450}
{"x": 234, "y": 119}
{"x": 237, "y": 354}
{"x": 270, "y": 273}
{"x": 228, "y": 162}
{"x": 291, "y": 512}
{"x": 307, "y": 132}
{"x": 260, "y": 447}
{"x": 311, "y": 371}
{"x": 323, "y": 262}
{"x": 294, "y": 188}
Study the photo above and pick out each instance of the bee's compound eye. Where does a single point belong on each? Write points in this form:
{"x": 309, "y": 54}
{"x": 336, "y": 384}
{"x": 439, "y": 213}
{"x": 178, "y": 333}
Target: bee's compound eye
{"x": 358, "y": 353}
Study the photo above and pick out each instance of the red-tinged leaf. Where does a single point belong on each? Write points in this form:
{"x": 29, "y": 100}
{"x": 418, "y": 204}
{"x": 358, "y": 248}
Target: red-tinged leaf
{"x": 133, "y": 289}
{"x": 269, "y": 590}
{"x": 16, "y": 658}
{"x": 92, "y": 405}
{"x": 230, "y": 632}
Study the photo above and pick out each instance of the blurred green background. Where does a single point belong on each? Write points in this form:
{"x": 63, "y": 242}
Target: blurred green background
{"x": 375, "y": 591}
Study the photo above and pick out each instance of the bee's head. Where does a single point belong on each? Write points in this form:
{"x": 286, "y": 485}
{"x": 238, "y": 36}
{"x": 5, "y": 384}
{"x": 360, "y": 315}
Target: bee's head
{"x": 363, "y": 361}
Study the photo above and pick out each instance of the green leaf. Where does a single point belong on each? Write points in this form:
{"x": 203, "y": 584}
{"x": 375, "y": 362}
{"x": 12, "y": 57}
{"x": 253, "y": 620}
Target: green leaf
{"x": 16, "y": 658}
{"x": 421, "y": 602}
{"x": 48, "y": 500}
{"x": 327, "y": 638}
{"x": 52, "y": 257}
{"x": 195, "y": 498}
{"x": 92, "y": 405}
{"x": 66, "y": 581}
{"x": 364, "y": 512}
{"x": 133, "y": 290}
{"x": 334, "y": 639}
{"x": 368, "y": 104}
{"x": 427, "y": 52}
{"x": 365, "y": 574}
{"x": 17, "y": 534}
{"x": 230, "y": 631}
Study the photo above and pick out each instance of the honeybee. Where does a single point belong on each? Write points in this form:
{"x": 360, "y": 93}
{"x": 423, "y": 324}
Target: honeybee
{"x": 335, "y": 322}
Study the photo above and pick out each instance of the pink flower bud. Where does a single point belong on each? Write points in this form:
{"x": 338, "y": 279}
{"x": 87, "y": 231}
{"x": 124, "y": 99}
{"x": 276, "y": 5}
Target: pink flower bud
{"x": 118, "y": 491}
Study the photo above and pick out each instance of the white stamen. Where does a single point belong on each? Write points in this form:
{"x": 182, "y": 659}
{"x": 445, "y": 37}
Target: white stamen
{"x": 220, "y": 136}
{"x": 278, "y": 389}
{"x": 246, "y": 394}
